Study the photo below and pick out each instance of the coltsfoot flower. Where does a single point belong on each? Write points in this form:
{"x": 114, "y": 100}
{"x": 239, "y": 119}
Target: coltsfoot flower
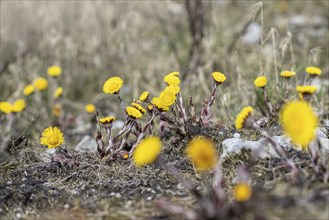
{"x": 54, "y": 71}
{"x": 18, "y": 105}
{"x": 287, "y": 74}
{"x": 242, "y": 192}
{"x": 58, "y": 92}
{"x": 144, "y": 96}
{"x": 28, "y": 89}
{"x": 138, "y": 107}
{"x": 173, "y": 89}
{"x": 6, "y": 107}
{"x": 260, "y": 81}
{"x": 113, "y": 85}
{"x": 56, "y": 110}
{"x": 242, "y": 117}
{"x": 90, "y": 108}
{"x": 313, "y": 71}
{"x": 172, "y": 79}
{"x": 299, "y": 122}
{"x": 218, "y": 77}
{"x": 133, "y": 112}
{"x": 107, "y": 120}
{"x": 52, "y": 137}
{"x": 306, "y": 89}
{"x": 41, "y": 83}
{"x": 202, "y": 153}
{"x": 147, "y": 151}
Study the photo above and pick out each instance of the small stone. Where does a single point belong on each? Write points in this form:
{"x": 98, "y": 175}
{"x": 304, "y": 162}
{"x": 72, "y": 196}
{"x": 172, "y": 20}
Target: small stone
{"x": 87, "y": 144}
{"x": 66, "y": 206}
{"x": 47, "y": 155}
{"x": 236, "y": 135}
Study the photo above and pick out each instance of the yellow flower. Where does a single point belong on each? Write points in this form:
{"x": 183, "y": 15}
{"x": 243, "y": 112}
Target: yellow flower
{"x": 90, "y": 108}
{"x": 29, "y": 89}
{"x": 52, "y": 137}
{"x": 171, "y": 79}
{"x": 147, "y": 151}
{"x": 150, "y": 107}
{"x": 6, "y": 107}
{"x": 260, "y": 81}
{"x": 54, "y": 71}
{"x": 168, "y": 97}
{"x": 173, "y": 89}
{"x": 202, "y": 152}
{"x": 133, "y": 112}
{"x": 242, "y": 117}
{"x": 113, "y": 85}
{"x": 144, "y": 96}
{"x": 313, "y": 71}
{"x": 299, "y": 122}
{"x": 218, "y": 77}
{"x": 242, "y": 192}
{"x": 138, "y": 107}
{"x": 41, "y": 83}
{"x": 174, "y": 74}
{"x": 287, "y": 74}
{"x": 306, "y": 89}
{"x": 56, "y": 110}
{"x": 107, "y": 120}
{"x": 58, "y": 92}
{"x": 19, "y": 105}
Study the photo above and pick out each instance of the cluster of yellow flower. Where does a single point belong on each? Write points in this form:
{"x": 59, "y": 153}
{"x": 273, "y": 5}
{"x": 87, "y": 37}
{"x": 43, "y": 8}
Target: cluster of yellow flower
{"x": 17, "y": 106}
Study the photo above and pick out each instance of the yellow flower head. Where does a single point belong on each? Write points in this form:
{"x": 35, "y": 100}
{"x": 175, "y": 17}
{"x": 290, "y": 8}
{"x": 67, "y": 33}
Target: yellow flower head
{"x": 107, "y": 120}
{"x": 313, "y": 71}
{"x": 58, "y": 92}
{"x": 147, "y": 151}
{"x": 299, "y": 122}
{"x": 133, "y": 112}
{"x": 6, "y": 107}
{"x": 306, "y": 89}
{"x": 242, "y": 117}
{"x": 173, "y": 89}
{"x": 218, "y": 77}
{"x": 167, "y": 97}
{"x": 41, "y": 83}
{"x": 171, "y": 79}
{"x": 56, "y": 110}
{"x": 90, "y": 108}
{"x": 242, "y": 192}
{"x": 138, "y": 107}
{"x": 54, "y": 71}
{"x": 287, "y": 74}
{"x": 202, "y": 152}
{"x": 19, "y": 105}
{"x": 260, "y": 81}
{"x": 29, "y": 89}
{"x": 52, "y": 137}
{"x": 174, "y": 74}
{"x": 144, "y": 96}
{"x": 150, "y": 107}
{"x": 113, "y": 85}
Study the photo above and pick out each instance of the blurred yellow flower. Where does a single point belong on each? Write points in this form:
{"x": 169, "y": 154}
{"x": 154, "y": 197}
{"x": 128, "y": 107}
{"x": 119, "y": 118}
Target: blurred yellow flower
{"x": 54, "y": 71}
{"x": 150, "y": 107}
{"x": 202, "y": 153}
{"x": 147, "y": 151}
{"x": 107, "y": 120}
{"x": 287, "y": 74}
{"x": 174, "y": 74}
{"x": 299, "y": 122}
{"x": 313, "y": 71}
{"x": 173, "y": 89}
{"x": 18, "y": 105}
{"x": 242, "y": 117}
{"x": 306, "y": 89}
{"x": 90, "y": 108}
{"x": 52, "y": 137}
{"x": 144, "y": 96}
{"x": 138, "y": 107}
{"x": 29, "y": 89}
{"x": 133, "y": 112}
{"x": 41, "y": 83}
{"x": 260, "y": 81}
{"x": 6, "y": 107}
{"x": 171, "y": 79}
{"x": 113, "y": 85}
{"x": 168, "y": 97}
{"x": 58, "y": 92}
{"x": 56, "y": 110}
{"x": 218, "y": 77}
{"x": 242, "y": 192}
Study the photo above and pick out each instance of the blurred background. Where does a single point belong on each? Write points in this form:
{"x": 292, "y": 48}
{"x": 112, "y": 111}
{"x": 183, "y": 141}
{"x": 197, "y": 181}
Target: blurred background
{"x": 141, "y": 41}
